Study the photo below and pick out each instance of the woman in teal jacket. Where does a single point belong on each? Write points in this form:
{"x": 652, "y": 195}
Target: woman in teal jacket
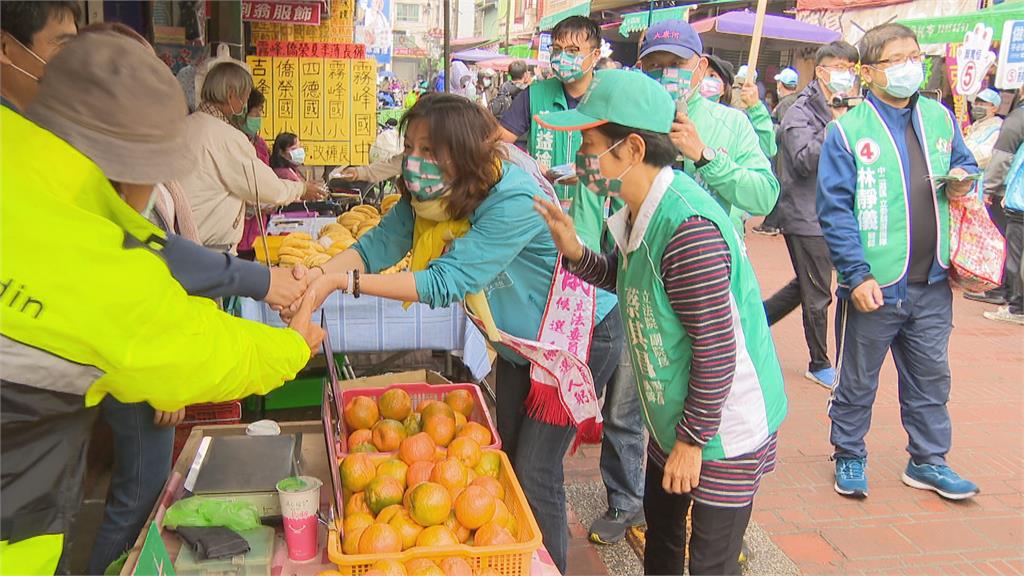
{"x": 505, "y": 251}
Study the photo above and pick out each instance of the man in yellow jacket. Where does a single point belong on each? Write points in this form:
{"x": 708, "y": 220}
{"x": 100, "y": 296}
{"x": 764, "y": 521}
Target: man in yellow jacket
{"x": 87, "y": 306}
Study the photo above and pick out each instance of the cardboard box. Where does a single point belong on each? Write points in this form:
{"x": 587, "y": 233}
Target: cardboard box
{"x": 385, "y": 380}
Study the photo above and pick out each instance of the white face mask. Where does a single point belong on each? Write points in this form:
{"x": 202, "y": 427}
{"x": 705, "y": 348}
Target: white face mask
{"x": 34, "y": 55}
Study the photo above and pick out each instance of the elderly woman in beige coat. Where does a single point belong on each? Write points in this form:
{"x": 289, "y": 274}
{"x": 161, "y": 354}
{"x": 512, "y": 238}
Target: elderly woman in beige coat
{"x": 227, "y": 174}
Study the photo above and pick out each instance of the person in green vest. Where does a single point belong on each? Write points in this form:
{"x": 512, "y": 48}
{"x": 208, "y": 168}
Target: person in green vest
{"x": 709, "y": 379}
{"x": 887, "y": 170}
{"x": 720, "y": 148}
{"x": 575, "y": 51}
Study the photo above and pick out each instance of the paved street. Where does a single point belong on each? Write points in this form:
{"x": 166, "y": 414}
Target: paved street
{"x": 896, "y": 529}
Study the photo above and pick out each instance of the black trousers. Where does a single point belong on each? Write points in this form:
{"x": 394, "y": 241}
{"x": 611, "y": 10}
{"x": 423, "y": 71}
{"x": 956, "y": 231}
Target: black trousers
{"x": 1013, "y": 277}
{"x": 811, "y": 290}
{"x": 715, "y": 541}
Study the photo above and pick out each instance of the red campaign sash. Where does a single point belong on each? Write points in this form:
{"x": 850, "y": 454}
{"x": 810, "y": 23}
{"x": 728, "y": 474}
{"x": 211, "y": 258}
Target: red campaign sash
{"x": 562, "y": 391}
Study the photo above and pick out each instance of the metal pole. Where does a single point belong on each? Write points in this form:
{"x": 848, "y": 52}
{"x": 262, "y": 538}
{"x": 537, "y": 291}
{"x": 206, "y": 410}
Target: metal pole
{"x": 650, "y": 13}
{"x": 447, "y": 44}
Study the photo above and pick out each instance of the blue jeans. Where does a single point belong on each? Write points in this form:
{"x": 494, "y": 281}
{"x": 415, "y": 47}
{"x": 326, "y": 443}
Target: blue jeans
{"x": 622, "y": 447}
{"x": 142, "y": 463}
{"x": 536, "y": 449}
{"x": 917, "y": 331}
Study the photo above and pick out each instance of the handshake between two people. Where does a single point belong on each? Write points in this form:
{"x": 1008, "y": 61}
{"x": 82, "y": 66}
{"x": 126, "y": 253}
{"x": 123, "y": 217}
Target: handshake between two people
{"x": 295, "y": 293}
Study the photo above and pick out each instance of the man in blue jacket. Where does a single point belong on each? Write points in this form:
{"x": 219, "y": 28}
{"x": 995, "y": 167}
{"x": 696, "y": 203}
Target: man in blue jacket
{"x": 885, "y": 218}
{"x": 802, "y": 134}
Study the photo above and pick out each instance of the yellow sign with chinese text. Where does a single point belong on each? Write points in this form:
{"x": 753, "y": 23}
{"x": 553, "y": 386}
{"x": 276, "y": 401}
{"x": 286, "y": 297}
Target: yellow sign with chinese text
{"x": 338, "y": 28}
{"x": 331, "y": 104}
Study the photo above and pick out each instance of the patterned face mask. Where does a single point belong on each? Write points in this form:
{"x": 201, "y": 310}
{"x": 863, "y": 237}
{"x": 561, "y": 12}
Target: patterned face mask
{"x": 588, "y": 170}
{"x": 423, "y": 178}
{"x": 676, "y": 81}
{"x": 568, "y": 68}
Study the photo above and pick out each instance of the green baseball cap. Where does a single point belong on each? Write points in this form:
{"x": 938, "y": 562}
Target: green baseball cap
{"x": 625, "y": 97}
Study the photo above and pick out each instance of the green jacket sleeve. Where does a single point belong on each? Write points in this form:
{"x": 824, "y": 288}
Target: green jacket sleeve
{"x": 761, "y": 120}
{"x": 742, "y": 175}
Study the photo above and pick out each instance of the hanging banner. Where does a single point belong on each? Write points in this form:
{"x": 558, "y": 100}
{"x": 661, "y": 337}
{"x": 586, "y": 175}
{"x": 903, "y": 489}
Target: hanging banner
{"x": 337, "y": 29}
{"x": 973, "y": 59}
{"x": 299, "y": 13}
{"x": 544, "y": 47}
{"x": 311, "y": 50}
{"x": 331, "y": 104}
{"x": 373, "y": 28}
{"x": 959, "y": 100}
{"x": 854, "y": 20}
{"x": 637, "y": 21}
{"x": 1010, "y": 71}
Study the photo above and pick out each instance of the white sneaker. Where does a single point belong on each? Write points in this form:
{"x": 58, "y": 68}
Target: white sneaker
{"x": 1003, "y": 314}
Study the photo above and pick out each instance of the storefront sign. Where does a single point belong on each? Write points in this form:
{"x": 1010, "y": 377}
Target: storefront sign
{"x": 300, "y": 13}
{"x": 329, "y": 103}
{"x": 1010, "y": 71}
{"x": 544, "y": 47}
{"x": 311, "y": 50}
{"x": 973, "y": 59}
{"x": 337, "y": 29}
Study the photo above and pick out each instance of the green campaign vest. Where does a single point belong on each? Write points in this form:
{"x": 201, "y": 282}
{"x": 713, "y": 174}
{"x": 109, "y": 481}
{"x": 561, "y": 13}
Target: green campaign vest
{"x": 549, "y": 147}
{"x": 881, "y": 197}
{"x": 659, "y": 345}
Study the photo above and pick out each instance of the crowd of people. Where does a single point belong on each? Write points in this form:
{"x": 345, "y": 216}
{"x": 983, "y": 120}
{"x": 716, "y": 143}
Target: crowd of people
{"x": 610, "y": 200}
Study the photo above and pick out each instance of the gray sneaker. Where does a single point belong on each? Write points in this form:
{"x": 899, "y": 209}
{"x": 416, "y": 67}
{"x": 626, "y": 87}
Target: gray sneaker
{"x": 1003, "y": 314}
{"x": 611, "y": 527}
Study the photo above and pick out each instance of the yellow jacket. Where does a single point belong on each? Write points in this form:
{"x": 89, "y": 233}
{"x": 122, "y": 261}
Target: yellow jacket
{"x": 83, "y": 283}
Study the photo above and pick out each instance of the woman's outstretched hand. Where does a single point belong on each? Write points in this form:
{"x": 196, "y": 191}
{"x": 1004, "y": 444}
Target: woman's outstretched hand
{"x": 562, "y": 230}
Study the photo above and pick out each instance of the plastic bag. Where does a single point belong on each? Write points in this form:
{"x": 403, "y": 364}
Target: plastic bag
{"x": 198, "y": 511}
{"x": 977, "y": 249}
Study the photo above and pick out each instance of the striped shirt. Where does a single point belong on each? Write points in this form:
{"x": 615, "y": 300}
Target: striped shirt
{"x": 695, "y": 271}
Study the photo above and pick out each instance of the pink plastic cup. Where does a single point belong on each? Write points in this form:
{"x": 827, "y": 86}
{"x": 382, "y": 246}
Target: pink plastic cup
{"x": 300, "y": 500}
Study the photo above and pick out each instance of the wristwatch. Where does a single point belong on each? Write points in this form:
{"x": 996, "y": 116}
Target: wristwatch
{"x": 707, "y": 155}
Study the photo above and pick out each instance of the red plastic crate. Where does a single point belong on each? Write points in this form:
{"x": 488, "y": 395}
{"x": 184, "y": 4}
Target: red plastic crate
{"x": 216, "y": 413}
{"x": 419, "y": 393}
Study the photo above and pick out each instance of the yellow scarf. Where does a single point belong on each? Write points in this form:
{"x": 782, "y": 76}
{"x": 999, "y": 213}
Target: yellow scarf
{"x": 432, "y": 232}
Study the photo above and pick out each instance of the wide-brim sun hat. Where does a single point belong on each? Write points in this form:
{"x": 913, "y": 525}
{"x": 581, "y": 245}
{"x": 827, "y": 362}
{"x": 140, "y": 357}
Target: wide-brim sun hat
{"x": 625, "y": 97}
{"x": 114, "y": 101}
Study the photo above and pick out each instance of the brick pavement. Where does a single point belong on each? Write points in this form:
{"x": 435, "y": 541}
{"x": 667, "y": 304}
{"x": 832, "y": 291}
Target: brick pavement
{"x": 896, "y": 530}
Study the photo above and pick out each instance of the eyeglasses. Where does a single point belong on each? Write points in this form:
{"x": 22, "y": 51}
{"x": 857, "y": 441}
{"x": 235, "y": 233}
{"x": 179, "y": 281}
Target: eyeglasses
{"x": 916, "y": 58}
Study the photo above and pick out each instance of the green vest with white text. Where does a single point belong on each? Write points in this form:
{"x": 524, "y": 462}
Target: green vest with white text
{"x": 881, "y": 199}
{"x": 549, "y": 147}
{"x": 661, "y": 349}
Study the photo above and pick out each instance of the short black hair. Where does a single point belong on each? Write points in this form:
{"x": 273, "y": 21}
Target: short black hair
{"x": 660, "y": 151}
{"x": 256, "y": 99}
{"x": 518, "y": 69}
{"x": 24, "y": 19}
{"x": 839, "y": 50}
{"x": 873, "y": 43}
{"x": 578, "y": 25}
{"x": 284, "y": 141}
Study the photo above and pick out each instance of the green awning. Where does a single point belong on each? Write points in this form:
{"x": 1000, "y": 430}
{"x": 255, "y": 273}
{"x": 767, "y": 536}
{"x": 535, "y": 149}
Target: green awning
{"x": 518, "y": 51}
{"x": 548, "y": 21}
{"x": 637, "y": 21}
{"x": 943, "y": 29}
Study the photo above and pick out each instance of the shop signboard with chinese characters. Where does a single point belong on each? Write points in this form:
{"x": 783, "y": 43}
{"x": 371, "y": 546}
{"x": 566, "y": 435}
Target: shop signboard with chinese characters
{"x": 1010, "y": 71}
{"x": 336, "y": 29}
{"x": 330, "y": 103}
{"x": 298, "y": 13}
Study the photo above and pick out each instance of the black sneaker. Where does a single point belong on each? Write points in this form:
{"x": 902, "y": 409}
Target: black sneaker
{"x": 766, "y": 230}
{"x": 989, "y": 297}
{"x": 611, "y": 527}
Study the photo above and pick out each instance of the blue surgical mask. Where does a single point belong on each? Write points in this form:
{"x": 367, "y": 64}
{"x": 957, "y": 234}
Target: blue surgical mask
{"x": 904, "y": 80}
{"x": 840, "y": 81}
{"x": 298, "y": 155}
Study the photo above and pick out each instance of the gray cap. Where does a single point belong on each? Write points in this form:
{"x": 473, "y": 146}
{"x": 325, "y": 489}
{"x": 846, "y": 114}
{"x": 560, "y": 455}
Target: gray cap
{"x": 118, "y": 104}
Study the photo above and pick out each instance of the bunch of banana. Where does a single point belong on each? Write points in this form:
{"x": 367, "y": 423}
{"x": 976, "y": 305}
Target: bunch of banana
{"x": 335, "y": 238}
{"x": 360, "y": 219}
{"x": 299, "y": 248}
{"x": 400, "y": 266}
{"x": 388, "y": 202}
